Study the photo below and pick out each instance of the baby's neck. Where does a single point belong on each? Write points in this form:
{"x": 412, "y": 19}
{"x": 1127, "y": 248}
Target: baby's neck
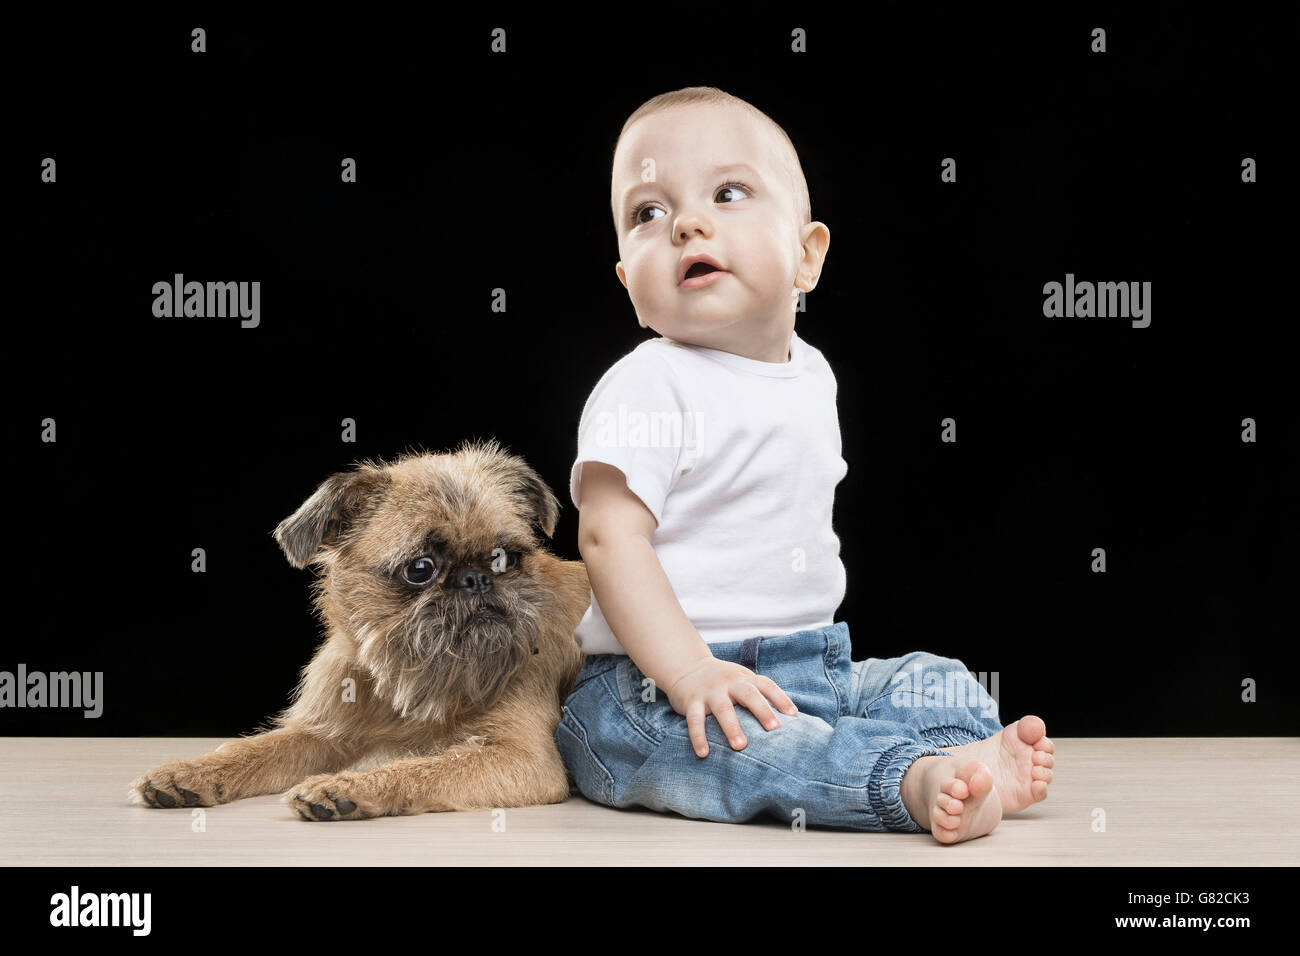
{"x": 778, "y": 351}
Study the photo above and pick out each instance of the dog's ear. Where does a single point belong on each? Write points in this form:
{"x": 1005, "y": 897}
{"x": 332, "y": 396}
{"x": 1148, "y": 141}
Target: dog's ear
{"x": 328, "y": 513}
{"x": 543, "y": 510}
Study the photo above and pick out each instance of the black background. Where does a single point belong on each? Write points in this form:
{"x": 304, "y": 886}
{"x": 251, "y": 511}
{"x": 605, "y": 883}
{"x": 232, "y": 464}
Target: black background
{"x": 479, "y": 171}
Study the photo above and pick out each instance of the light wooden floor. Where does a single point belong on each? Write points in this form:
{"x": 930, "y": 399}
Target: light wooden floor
{"x": 1175, "y": 801}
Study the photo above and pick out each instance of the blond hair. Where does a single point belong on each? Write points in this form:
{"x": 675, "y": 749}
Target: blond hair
{"x": 710, "y": 94}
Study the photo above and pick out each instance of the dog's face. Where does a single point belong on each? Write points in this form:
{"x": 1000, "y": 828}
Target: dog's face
{"x": 429, "y": 563}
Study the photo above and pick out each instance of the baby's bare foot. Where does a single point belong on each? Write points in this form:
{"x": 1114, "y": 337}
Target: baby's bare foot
{"x": 1020, "y": 757}
{"x": 953, "y": 798}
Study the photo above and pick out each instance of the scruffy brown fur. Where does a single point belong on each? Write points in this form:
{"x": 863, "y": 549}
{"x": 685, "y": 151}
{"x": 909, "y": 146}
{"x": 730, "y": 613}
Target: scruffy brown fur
{"x": 453, "y": 708}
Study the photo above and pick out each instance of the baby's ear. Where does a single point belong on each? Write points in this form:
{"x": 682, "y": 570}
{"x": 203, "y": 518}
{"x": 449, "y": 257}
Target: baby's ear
{"x": 618, "y": 271}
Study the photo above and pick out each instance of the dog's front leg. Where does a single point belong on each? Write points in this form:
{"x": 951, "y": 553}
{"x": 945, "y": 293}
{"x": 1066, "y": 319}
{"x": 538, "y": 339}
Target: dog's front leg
{"x": 270, "y": 762}
{"x": 480, "y": 774}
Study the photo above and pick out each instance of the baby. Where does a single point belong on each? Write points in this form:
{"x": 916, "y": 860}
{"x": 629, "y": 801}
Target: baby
{"x": 705, "y": 478}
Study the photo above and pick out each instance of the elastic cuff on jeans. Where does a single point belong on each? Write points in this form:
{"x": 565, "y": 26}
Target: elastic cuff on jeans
{"x": 883, "y": 789}
{"x": 952, "y": 735}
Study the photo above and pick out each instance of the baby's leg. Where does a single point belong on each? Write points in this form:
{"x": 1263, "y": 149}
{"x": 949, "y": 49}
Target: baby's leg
{"x": 628, "y": 747}
{"x": 944, "y": 705}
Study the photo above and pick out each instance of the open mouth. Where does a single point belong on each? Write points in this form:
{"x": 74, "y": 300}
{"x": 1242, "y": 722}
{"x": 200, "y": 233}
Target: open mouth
{"x": 699, "y": 269}
{"x": 700, "y": 274}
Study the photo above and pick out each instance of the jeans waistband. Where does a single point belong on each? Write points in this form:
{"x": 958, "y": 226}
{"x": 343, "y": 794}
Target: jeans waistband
{"x": 832, "y": 639}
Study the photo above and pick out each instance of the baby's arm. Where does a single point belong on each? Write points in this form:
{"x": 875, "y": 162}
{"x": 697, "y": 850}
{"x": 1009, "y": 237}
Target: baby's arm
{"x": 615, "y": 531}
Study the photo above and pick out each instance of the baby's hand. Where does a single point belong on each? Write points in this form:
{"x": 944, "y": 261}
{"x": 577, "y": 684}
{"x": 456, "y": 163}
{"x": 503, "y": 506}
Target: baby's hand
{"x": 711, "y": 686}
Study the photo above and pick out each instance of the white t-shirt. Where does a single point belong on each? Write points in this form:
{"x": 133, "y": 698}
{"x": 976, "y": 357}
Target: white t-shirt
{"x": 738, "y": 461}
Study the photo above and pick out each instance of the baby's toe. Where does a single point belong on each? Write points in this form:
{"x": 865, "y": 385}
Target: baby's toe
{"x": 954, "y": 787}
{"x": 977, "y": 776}
{"x": 948, "y": 804}
{"x": 1038, "y": 790}
{"x": 939, "y": 820}
{"x": 1041, "y": 773}
{"x": 1031, "y": 729}
{"x": 945, "y": 834}
{"x": 1045, "y": 745}
{"x": 1043, "y": 759}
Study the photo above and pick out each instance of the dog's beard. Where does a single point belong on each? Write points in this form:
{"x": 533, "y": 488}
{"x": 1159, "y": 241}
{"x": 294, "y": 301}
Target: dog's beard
{"x": 450, "y": 655}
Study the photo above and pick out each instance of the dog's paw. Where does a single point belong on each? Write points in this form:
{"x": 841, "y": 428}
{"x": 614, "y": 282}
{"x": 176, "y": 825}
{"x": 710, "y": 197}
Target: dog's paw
{"x": 333, "y": 796}
{"x": 181, "y": 783}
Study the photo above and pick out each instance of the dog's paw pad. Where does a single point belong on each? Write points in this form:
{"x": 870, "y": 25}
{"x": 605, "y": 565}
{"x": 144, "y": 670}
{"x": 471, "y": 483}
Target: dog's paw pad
{"x": 343, "y": 803}
{"x": 310, "y": 810}
{"x": 322, "y": 799}
{"x": 182, "y": 783}
{"x": 145, "y": 792}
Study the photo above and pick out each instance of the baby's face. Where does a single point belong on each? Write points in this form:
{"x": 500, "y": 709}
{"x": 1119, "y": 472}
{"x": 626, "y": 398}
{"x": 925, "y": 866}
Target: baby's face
{"x": 720, "y": 189}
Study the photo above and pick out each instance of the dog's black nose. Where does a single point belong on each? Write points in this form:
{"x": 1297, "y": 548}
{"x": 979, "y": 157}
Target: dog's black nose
{"x": 474, "y": 581}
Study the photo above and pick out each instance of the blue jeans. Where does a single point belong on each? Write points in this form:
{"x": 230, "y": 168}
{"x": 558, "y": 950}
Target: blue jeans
{"x": 837, "y": 763}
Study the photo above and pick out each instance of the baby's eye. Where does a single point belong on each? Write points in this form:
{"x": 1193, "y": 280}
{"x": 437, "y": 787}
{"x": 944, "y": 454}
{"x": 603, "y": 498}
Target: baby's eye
{"x": 732, "y": 187}
{"x": 647, "y": 207}
{"x": 636, "y": 213}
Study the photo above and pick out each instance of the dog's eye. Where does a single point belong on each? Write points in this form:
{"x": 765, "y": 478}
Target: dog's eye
{"x": 503, "y": 560}
{"x": 420, "y": 571}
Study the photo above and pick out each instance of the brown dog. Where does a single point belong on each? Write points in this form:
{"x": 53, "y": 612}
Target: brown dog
{"x": 449, "y": 649}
